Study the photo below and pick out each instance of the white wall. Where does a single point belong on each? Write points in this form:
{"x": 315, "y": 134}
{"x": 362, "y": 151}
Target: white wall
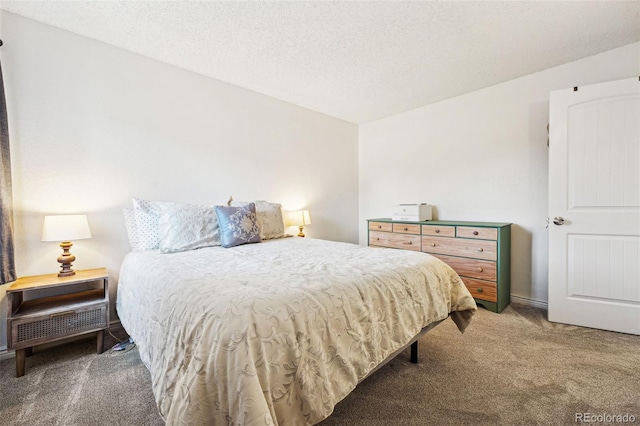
{"x": 481, "y": 156}
{"x": 91, "y": 126}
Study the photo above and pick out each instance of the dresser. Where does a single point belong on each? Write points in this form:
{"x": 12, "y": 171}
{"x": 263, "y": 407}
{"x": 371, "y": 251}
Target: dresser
{"x": 480, "y": 252}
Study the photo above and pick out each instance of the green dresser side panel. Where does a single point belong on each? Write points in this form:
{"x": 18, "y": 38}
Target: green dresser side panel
{"x": 504, "y": 268}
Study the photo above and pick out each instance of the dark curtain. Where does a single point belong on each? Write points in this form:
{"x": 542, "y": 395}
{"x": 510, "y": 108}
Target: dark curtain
{"x": 7, "y": 260}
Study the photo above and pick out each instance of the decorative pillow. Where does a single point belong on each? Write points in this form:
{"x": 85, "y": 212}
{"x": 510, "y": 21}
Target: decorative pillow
{"x": 132, "y": 231}
{"x": 269, "y": 217}
{"x": 238, "y": 225}
{"x": 185, "y": 227}
{"x": 147, "y": 214}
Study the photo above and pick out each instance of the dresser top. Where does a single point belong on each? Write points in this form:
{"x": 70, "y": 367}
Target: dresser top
{"x": 445, "y": 222}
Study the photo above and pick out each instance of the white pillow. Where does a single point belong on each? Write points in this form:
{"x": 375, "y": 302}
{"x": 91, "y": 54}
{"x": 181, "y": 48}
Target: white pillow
{"x": 132, "y": 230}
{"x": 269, "y": 218}
{"x": 185, "y": 227}
{"x": 147, "y": 214}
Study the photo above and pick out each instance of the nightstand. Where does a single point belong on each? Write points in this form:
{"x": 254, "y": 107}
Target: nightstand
{"x": 46, "y": 308}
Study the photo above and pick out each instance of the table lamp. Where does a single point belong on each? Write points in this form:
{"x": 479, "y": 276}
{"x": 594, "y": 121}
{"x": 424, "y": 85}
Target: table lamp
{"x": 299, "y": 218}
{"x": 65, "y": 228}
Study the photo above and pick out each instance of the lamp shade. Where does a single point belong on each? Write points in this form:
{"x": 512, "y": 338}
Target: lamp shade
{"x": 69, "y": 227}
{"x": 298, "y": 218}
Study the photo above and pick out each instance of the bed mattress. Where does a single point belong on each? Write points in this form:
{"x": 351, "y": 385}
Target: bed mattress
{"x": 277, "y": 332}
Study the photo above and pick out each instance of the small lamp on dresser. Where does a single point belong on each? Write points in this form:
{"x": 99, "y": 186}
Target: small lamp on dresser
{"x": 65, "y": 228}
{"x": 299, "y": 218}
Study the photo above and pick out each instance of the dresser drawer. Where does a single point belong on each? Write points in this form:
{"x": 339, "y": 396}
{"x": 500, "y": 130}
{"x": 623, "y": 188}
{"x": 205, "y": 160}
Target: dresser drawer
{"x": 380, "y": 226}
{"x": 477, "y": 249}
{"x": 377, "y": 238}
{"x": 394, "y": 240}
{"x": 479, "y": 233}
{"x": 36, "y": 329}
{"x": 404, "y": 241}
{"x": 473, "y": 268}
{"x": 406, "y": 228}
{"x": 442, "y": 231}
{"x": 484, "y": 290}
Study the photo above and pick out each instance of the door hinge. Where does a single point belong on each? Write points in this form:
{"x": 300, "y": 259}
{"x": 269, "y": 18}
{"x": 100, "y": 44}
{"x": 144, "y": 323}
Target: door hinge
{"x": 547, "y": 135}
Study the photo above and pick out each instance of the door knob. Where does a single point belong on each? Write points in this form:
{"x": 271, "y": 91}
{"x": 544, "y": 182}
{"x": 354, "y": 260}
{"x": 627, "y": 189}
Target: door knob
{"x": 558, "y": 220}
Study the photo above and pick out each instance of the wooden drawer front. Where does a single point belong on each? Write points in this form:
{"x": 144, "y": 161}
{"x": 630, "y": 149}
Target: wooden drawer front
{"x": 404, "y": 241}
{"x": 485, "y": 290}
{"x": 393, "y": 240}
{"x": 441, "y": 231}
{"x": 478, "y": 249}
{"x": 380, "y": 226}
{"x": 406, "y": 228}
{"x": 377, "y": 238}
{"x": 479, "y": 233}
{"x": 30, "y": 331}
{"x": 474, "y": 268}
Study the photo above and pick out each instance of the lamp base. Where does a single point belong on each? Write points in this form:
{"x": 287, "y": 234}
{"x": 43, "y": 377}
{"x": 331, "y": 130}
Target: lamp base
{"x": 300, "y": 234}
{"x": 65, "y": 260}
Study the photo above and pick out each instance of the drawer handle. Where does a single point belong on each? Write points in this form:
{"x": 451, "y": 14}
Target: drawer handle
{"x": 437, "y": 231}
{"x": 406, "y": 229}
{"x": 379, "y": 226}
{"x": 433, "y": 244}
{"x": 60, "y": 314}
{"x": 480, "y": 249}
{"x": 377, "y": 238}
{"x": 409, "y": 243}
{"x": 480, "y": 269}
{"x": 479, "y": 289}
{"x": 475, "y": 232}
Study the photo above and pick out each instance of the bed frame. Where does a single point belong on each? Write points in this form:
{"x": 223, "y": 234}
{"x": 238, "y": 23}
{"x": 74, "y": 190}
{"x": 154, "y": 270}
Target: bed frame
{"x": 414, "y": 349}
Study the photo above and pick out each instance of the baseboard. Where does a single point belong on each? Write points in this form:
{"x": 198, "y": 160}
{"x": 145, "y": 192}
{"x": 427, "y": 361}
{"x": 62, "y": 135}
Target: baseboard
{"x": 5, "y": 354}
{"x": 529, "y": 302}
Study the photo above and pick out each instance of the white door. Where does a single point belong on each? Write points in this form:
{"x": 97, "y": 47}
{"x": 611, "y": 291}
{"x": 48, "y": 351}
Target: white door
{"x": 594, "y": 206}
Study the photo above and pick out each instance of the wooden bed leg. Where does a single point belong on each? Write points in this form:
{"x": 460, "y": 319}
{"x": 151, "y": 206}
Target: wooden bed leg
{"x": 414, "y": 352}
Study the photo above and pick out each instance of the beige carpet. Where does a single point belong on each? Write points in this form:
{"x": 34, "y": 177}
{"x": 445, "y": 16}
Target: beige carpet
{"x": 510, "y": 368}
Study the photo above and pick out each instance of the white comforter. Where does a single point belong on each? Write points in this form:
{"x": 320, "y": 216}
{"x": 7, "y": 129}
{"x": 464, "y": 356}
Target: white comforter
{"x": 276, "y": 332}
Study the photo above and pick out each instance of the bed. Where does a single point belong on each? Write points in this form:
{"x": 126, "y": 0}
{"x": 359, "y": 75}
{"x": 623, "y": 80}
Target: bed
{"x": 277, "y": 332}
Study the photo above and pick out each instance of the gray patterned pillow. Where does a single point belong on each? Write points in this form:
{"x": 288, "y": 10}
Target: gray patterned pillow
{"x": 269, "y": 217}
{"x": 238, "y": 225}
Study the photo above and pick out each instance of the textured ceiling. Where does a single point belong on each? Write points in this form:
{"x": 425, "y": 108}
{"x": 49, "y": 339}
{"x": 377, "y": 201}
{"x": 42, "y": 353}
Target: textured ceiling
{"x": 358, "y": 61}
